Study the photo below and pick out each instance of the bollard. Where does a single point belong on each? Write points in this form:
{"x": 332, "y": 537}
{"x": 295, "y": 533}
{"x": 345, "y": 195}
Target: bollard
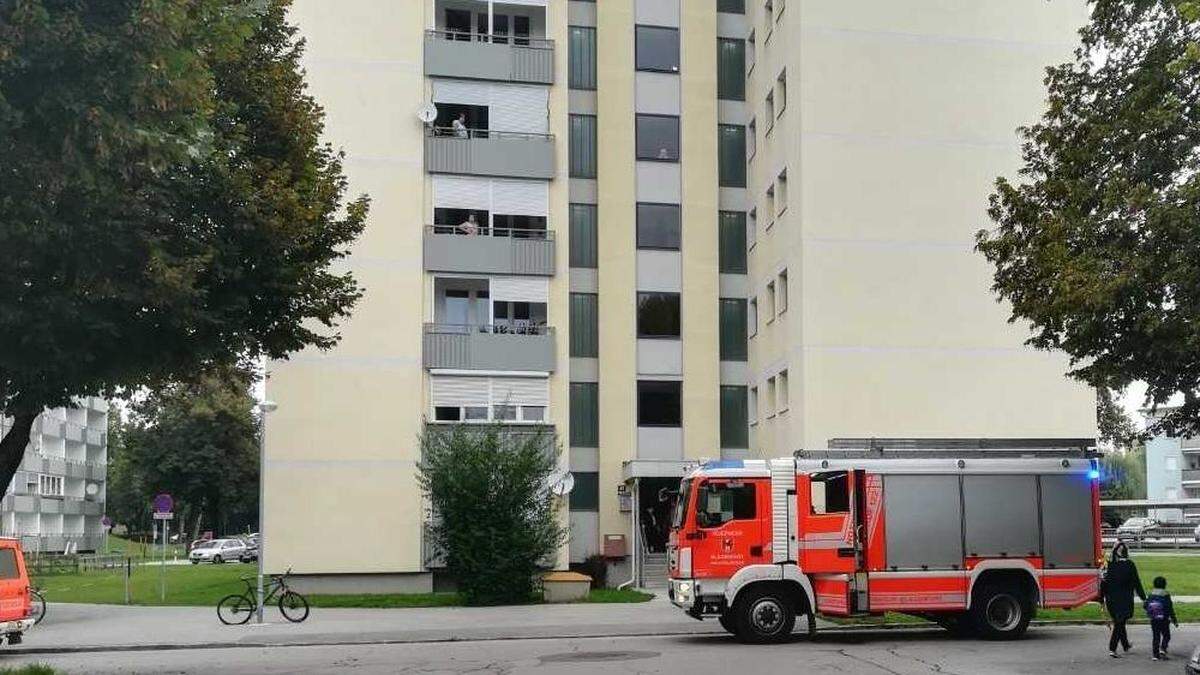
{"x": 128, "y": 571}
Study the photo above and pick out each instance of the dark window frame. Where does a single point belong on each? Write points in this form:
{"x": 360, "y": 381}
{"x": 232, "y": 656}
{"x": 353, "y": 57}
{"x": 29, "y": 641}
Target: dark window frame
{"x": 590, "y": 68}
{"x": 678, "y": 317}
{"x": 637, "y": 138}
{"x": 637, "y": 223}
{"x": 731, "y": 176}
{"x": 589, "y": 169}
{"x": 675, "y": 385}
{"x": 637, "y": 49}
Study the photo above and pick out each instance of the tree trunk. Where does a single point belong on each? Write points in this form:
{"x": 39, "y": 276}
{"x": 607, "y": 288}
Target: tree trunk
{"x": 12, "y": 447}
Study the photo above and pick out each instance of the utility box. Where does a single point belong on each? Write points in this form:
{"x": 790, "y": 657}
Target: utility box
{"x": 614, "y": 546}
{"x": 565, "y": 586}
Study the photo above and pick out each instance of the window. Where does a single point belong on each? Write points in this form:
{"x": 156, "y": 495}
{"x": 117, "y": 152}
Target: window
{"x": 751, "y": 139}
{"x": 657, "y": 48}
{"x": 586, "y": 494}
{"x": 720, "y": 502}
{"x": 752, "y": 317}
{"x": 731, "y": 155}
{"x": 585, "y": 415}
{"x": 781, "y": 292}
{"x": 752, "y": 406}
{"x": 495, "y": 413}
{"x": 735, "y": 430}
{"x": 770, "y": 409}
{"x": 585, "y": 333}
{"x": 751, "y": 229}
{"x": 659, "y": 403}
{"x": 731, "y": 6}
{"x": 830, "y": 492}
{"x": 750, "y": 53}
{"x": 8, "y": 564}
{"x": 50, "y": 486}
{"x": 732, "y": 329}
{"x": 658, "y": 226}
{"x": 781, "y": 91}
{"x": 731, "y": 69}
{"x": 770, "y": 301}
{"x": 770, "y": 111}
{"x": 731, "y": 238}
{"x": 581, "y": 57}
{"x": 583, "y": 235}
{"x": 657, "y": 138}
{"x": 771, "y": 206}
{"x": 658, "y": 315}
{"x": 781, "y": 192}
{"x": 582, "y": 134}
{"x": 781, "y": 391}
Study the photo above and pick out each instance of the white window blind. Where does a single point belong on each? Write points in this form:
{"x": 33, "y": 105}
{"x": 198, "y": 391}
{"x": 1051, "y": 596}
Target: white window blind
{"x": 458, "y": 192}
{"x": 520, "y": 391}
{"x": 520, "y": 289}
{"x": 520, "y": 197}
{"x": 454, "y": 391}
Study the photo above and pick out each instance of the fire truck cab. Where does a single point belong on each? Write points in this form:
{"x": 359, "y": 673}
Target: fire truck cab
{"x": 974, "y": 541}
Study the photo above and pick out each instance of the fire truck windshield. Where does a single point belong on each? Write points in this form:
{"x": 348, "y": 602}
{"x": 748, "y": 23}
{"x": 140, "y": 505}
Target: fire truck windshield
{"x": 681, "y": 500}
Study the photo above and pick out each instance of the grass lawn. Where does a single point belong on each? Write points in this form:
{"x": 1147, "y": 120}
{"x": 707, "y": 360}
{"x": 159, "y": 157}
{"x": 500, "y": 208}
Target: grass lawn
{"x": 1182, "y": 572}
{"x": 205, "y": 585}
{"x": 136, "y": 549}
{"x": 33, "y": 669}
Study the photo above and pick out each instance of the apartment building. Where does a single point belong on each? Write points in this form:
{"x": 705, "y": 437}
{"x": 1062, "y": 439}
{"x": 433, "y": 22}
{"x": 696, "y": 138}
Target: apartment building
{"x": 55, "y": 502}
{"x": 670, "y": 230}
{"x": 1172, "y": 471}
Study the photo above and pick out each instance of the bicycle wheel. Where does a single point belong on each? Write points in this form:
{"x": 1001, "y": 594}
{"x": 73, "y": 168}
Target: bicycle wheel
{"x": 37, "y": 607}
{"x": 234, "y": 610}
{"x": 293, "y": 606}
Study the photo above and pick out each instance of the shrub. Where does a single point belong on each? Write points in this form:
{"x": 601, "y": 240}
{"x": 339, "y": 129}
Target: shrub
{"x": 596, "y": 567}
{"x": 494, "y": 518}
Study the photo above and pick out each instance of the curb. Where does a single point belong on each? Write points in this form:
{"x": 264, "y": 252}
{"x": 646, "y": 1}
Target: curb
{"x": 417, "y": 640}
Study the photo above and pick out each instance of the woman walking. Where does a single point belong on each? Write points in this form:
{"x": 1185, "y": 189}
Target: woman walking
{"x": 1116, "y": 589}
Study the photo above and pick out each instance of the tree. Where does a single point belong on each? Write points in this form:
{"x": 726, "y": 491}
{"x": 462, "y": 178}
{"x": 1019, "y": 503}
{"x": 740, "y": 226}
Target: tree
{"x": 1113, "y": 422}
{"x": 198, "y": 441}
{"x": 1097, "y": 246}
{"x": 166, "y": 205}
{"x": 1122, "y": 476}
{"x": 495, "y": 519}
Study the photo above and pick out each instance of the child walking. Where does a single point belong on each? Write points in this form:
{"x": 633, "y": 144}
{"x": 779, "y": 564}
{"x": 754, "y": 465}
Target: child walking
{"x": 1161, "y": 611}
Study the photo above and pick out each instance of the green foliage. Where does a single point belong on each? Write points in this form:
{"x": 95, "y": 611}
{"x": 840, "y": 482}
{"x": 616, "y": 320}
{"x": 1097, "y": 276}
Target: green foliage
{"x": 1097, "y": 245}
{"x": 167, "y": 205}
{"x": 495, "y": 520}
{"x": 197, "y": 441}
{"x": 1113, "y": 422}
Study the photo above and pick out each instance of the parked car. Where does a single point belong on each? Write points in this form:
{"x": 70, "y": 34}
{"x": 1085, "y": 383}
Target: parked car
{"x": 219, "y": 551}
{"x": 1196, "y": 533}
{"x": 250, "y": 554}
{"x": 15, "y": 607}
{"x": 199, "y": 542}
{"x": 1136, "y": 528}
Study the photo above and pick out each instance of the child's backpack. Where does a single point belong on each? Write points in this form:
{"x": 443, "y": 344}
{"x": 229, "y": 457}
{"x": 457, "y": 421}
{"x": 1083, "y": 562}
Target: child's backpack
{"x": 1156, "y": 609}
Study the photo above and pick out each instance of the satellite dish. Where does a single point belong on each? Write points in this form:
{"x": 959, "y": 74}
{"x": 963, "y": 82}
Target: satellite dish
{"x": 562, "y": 483}
{"x": 92, "y": 489}
{"x": 427, "y": 113}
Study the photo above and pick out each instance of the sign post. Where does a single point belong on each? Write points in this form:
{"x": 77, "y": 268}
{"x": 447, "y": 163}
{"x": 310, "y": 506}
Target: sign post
{"x": 163, "y": 503}
{"x": 107, "y": 524}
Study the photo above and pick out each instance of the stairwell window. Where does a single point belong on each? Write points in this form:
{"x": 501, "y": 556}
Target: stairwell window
{"x": 731, "y": 69}
{"x": 781, "y": 292}
{"x": 781, "y": 192}
{"x": 657, "y": 48}
{"x": 659, "y": 403}
{"x": 769, "y": 308}
{"x": 582, "y": 137}
{"x": 657, "y": 137}
{"x": 771, "y": 401}
{"x": 658, "y": 315}
{"x": 781, "y": 392}
{"x": 581, "y": 57}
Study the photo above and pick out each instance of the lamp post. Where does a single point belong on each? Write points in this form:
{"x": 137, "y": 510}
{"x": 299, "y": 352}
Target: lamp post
{"x": 264, "y": 407}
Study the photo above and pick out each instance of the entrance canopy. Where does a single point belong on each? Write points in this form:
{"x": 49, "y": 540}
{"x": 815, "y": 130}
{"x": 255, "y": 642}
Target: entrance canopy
{"x": 657, "y": 468}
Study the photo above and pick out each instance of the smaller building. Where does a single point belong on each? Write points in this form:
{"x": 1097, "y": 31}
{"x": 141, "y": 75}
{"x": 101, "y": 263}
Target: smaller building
{"x": 1172, "y": 472}
{"x": 55, "y": 502}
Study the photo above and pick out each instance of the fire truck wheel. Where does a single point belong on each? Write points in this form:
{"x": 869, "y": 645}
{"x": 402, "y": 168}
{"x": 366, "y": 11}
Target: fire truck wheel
{"x": 728, "y": 623}
{"x": 1000, "y": 612}
{"x": 764, "y": 614}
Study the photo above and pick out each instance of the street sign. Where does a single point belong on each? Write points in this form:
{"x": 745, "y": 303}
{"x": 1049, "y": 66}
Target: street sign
{"x": 163, "y": 503}
{"x": 164, "y": 516}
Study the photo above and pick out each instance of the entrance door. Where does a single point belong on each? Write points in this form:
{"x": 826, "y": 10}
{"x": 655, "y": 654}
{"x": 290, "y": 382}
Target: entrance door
{"x": 730, "y": 530}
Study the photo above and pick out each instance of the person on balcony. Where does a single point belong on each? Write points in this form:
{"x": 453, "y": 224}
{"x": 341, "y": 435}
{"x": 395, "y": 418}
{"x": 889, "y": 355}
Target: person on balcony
{"x": 460, "y": 126}
{"x": 469, "y": 226}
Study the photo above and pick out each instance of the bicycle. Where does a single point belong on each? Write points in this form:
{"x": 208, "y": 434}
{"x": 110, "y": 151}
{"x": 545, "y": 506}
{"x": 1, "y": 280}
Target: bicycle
{"x": 236, "y": 609}
{"x": 37, "y": 605}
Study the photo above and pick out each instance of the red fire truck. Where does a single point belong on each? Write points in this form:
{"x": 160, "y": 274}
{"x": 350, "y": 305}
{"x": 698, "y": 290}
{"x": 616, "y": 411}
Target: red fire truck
{"x": 975, "y": 539}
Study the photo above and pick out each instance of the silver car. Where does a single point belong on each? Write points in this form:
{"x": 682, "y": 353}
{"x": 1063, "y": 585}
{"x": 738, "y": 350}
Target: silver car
{"x": 219, "y": 551}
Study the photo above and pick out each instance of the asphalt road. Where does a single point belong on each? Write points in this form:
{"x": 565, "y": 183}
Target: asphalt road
{"x": 1074, "y": 649}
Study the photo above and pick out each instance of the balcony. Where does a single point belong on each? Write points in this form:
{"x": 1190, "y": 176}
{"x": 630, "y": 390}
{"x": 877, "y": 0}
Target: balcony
{"x": 499, "y": 251}
{"x": 501, "y": 58}
{"x": 477, "y": 152}
{"x": 74, "y": 432}
{"x": 489, "y": 347}
{"x": 1191, "y": 475}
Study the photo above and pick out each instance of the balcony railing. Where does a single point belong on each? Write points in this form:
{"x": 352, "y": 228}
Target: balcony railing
{"x": 505, "y": 58}
{"x": 517, "y": 345}
{"x": 480, "y": 249}
{"x": 484, "y": 152}
{"x": 1191, "y": 475}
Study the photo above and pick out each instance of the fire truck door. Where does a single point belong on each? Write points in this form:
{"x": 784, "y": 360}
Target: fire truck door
{"x": 828, "y": 537}
{"x": 729, "y": 532}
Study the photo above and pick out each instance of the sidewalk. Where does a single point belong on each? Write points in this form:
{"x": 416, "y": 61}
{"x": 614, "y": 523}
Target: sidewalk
{"x": 77, "y": 627}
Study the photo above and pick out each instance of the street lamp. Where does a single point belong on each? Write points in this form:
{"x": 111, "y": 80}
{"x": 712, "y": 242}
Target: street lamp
{"x": 264, "y": 407}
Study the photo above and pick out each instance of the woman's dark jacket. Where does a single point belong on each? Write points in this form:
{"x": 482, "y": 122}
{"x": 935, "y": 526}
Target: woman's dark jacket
{"x": 1120, "y": 583}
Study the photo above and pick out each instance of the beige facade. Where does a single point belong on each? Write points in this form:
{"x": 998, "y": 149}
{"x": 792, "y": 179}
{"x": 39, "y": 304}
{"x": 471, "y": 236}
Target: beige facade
{"x": 889, "y": 124}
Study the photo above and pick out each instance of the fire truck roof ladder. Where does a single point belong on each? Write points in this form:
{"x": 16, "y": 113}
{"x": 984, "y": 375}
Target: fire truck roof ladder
{"x": 952, "y": 448}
